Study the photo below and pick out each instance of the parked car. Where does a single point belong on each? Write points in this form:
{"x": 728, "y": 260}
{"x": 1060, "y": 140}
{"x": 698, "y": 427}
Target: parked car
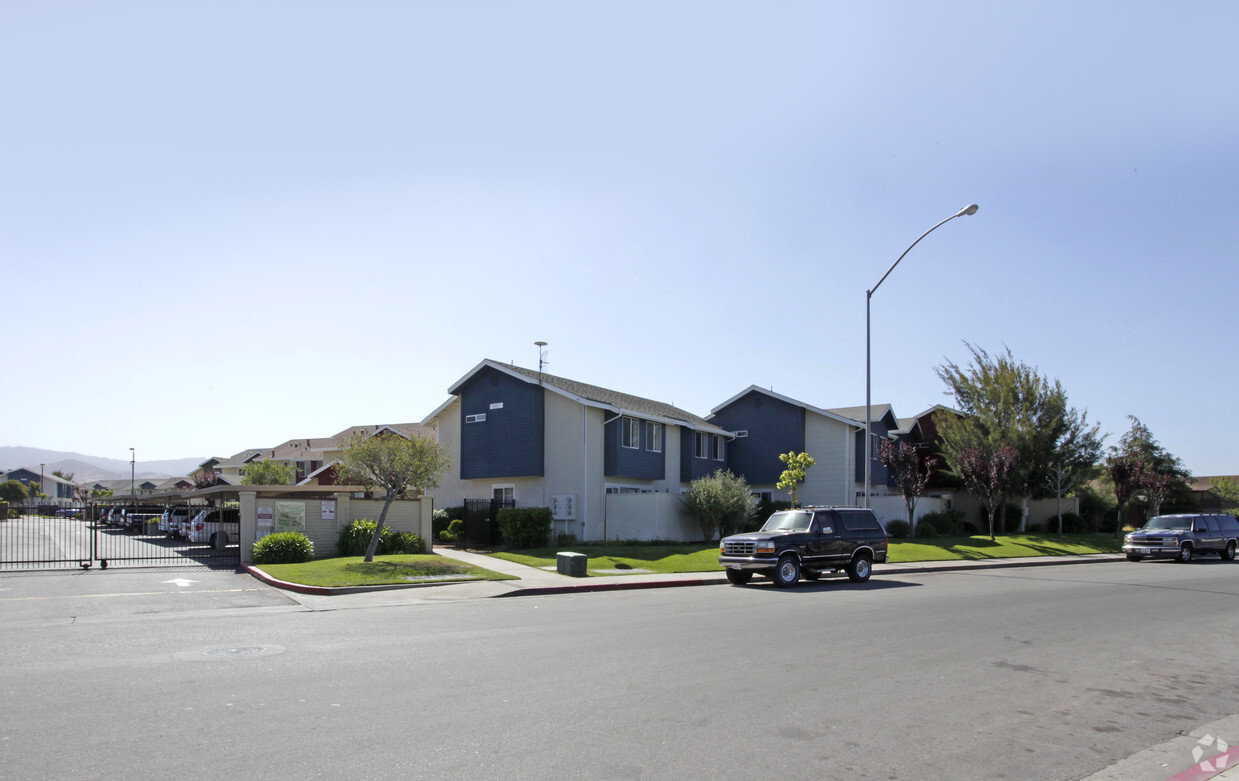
{"x": 173, "y": 519}
{"x": 809, "y": 541}
{"x": 216, "y": 527}
{"x": 1183, "y": 537}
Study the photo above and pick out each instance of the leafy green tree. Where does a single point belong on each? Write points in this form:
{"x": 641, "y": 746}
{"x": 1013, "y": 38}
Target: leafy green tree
{"x": 720, "y": 503}
{"x": 394, "y": 463}
{"x": 797, "y": 465}
{"x": 1006, "y": 403}
{"x": 911, "y": 474}
{"x": 13, "y": 492}
{"x": 267, "y": 472}
{"x": 1226, "y": 490}
{"x": 987, "y": 475}
{"x": 63, "y": 475}
{"x": 1163, "y": 478}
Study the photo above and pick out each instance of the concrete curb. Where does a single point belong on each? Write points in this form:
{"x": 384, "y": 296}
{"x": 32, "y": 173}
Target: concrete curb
{"x": 628, "y": 583}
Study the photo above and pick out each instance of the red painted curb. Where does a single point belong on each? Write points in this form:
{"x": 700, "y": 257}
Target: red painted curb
{"x": 1210, "y": 768}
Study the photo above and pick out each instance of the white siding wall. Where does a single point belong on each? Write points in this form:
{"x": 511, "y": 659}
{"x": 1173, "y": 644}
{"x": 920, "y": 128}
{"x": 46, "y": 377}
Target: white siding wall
{"x": 830, "y": 443}
{"x": 649, "y": 517}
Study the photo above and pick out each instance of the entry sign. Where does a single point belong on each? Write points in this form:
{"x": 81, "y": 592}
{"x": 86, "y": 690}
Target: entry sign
{"x": 329, "y": 509}
{"x": 266, "y": 521}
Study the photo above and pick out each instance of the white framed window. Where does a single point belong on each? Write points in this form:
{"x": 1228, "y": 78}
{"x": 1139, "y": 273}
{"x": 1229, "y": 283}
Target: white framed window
{"x": 742, "y": 433}
{"x": 479, "y": 418}
{"x": 630, "y": 433}
{"x": 701, "y": 444}
{"x": 654, "y": 437}
{"x": 720, "y": 452}
{"x": 504, "y": 492}
{"x": 616, "y": 488}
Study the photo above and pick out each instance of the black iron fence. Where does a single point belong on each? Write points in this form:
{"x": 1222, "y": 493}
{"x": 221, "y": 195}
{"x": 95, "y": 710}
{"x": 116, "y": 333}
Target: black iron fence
{"x": 481, "y": 528}
{"x": 87, "y": 534}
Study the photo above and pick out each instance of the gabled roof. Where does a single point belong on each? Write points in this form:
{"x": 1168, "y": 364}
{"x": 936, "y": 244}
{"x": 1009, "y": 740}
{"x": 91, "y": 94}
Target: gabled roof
{"x": 876, "y": 412}
{"x": 590, "y": 396}
{"x": 405, "y": 429}
{"x": 48, "y": 477}
{"x": 832, "y": 414}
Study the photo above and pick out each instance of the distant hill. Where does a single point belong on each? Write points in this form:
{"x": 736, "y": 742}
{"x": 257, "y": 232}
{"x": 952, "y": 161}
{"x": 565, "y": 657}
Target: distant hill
{"x": 84, "y": 468}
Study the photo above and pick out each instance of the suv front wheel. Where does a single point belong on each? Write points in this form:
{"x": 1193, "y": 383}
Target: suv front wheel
{"x": 737, "y": 577}
{"x": 1185, "y": 554}
{"x": 787, "y": 572}
{"x": 860, "y": 568}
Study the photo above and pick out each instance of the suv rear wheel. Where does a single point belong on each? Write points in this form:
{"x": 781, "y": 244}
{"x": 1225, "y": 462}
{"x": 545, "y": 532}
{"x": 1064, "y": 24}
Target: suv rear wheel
{"x": 1229, "y": 553}
{"x": 860, "y": 568}
{"x": 787, "y": 572}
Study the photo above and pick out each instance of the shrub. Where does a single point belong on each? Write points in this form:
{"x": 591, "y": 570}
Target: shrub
{"x": 1072, "y": 524}
{"x": 439, "y": 522}
{"x": 925, "y": 530}
{"x": 454, "y": 531}
{"x": 283, "y": 548}
{"x": 949, "y": 522}
{"x": 525, "y": 527}
{"x": 401, "y": 542}
{"x": 564, "y": 540}
{"x": 897, "y": 529}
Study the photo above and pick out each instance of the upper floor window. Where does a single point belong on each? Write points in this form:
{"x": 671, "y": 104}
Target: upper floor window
{"x": 479, "y": 418}
{"x": 701, "y": 444}
{"x": 654, "y": 437}
{"x": 630, "y": 433}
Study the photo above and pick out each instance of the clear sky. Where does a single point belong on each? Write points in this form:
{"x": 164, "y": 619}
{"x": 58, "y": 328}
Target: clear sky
{"x": 227, "y": 224}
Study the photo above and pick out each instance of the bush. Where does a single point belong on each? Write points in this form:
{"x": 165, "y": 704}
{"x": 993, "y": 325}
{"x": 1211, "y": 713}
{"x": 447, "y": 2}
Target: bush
{"x": 455, "y": 529}
{"x": 355, "y": 539}
{"x": 525, "y": 527}
{"x": 1072, "y": 524}
{"x": 949, "y": 522}
{"x": 897, "y": 529}
{"x": 283, "y": 548}
{"x": 925, "y": 530}
{"x": 564, "y": 540}
{"x": 439, "y": 522}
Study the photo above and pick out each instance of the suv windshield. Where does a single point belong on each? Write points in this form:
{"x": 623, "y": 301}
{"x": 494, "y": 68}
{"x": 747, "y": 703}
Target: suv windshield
{"x": 1168, "y": 522}
{"x": 788, "y": 521}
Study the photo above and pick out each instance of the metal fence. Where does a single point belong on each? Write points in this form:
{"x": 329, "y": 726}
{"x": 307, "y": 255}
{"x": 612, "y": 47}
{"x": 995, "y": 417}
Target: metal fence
{"x": 90, "y": 534}
{"x": 480, "y": 519}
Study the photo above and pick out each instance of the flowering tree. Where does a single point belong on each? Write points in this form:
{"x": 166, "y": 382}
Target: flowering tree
{"x": 911, "y": 474}
{"x": 1156, "y": 487}
{"x": 797, "y": 465}
{"x": 987, "y": 475}
{"x": 1127, "y": 472}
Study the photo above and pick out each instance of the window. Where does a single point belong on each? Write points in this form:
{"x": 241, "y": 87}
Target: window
{"x": 479, "y": 418}
{"x": 719, "y": 452}
{"x": 701, "y": 444}
{"x": 875, "y": 445}
{"x": 630, "y": 433}
{"x": 742, "y": 433}
{"x": 654, "y": 437}
{"x": 504, "y": 494}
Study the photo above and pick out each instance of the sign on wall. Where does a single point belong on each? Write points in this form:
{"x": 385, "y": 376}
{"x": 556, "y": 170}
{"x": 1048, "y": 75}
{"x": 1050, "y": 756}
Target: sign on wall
{"x": 266, "y": 522}
{"x": 290, "y": 516}
{"x": 329, "y": 509}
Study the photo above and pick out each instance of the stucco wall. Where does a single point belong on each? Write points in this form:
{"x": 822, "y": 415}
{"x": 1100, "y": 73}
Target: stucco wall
{"x": 649, "y": 517}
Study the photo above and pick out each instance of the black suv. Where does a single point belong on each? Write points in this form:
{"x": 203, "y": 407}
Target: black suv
{"x": 808, "y": 541}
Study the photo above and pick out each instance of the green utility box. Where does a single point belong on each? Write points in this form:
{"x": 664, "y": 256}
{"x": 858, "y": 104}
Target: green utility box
{"x": 572, "y": 564}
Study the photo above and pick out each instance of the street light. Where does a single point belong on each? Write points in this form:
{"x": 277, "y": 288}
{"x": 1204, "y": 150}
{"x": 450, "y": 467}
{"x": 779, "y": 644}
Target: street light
{"x": 133, "y": 460}
{"x": 967, "y": 210}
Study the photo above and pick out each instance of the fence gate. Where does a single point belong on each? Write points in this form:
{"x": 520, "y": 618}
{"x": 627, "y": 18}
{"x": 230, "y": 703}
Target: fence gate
{"x": 480, "y": 517}
{"x": 91, "y": 534}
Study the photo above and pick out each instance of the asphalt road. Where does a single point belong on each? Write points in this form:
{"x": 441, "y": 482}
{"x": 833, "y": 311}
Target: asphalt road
{"x": 1039, "y": 673}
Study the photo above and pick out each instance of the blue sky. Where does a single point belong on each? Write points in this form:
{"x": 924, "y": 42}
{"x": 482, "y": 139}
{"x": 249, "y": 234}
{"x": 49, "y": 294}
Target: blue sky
{"x": 228, "y": 224}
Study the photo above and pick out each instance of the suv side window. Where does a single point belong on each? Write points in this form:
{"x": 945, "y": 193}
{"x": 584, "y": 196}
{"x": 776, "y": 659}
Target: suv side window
{"x": 824, "y": 522}
{"x": 855, "y": 521}
{"x": 1227, "y": 523}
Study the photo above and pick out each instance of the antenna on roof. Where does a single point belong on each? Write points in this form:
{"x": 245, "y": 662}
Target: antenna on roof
{"x": 541, "y": 357}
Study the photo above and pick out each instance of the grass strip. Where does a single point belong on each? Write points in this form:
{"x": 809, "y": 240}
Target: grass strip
{"x": 384, "y": 570}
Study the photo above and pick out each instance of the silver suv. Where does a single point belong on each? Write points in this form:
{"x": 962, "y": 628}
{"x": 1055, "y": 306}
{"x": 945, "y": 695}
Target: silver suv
{"x": 217, "y": 527}
{"x": 1183, "y": 537}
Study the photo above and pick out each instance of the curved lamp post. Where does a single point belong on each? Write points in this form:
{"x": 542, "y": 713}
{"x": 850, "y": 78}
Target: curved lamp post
{"x": 967, "y": 210}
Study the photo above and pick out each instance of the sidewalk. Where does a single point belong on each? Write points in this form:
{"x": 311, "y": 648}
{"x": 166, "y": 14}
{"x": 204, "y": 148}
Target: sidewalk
{"x": 539, "y": 582}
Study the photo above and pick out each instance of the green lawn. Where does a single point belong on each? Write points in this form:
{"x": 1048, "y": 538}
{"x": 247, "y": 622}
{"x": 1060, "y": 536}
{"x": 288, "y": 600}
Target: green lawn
{"x": 617, "y": 559}
{"x": 384, "y": 570}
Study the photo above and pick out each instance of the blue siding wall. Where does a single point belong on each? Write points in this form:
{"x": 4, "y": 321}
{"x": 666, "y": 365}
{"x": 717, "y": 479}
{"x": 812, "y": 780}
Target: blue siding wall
{"x": 774, "y": 427}
{"x": 639, "y": 463}
{"x": 510, "y": 442}
{"x": 692, "y": 467}
{"x": 878, "y": 474}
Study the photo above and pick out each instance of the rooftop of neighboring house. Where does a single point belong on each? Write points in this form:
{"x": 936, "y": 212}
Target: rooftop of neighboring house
{"x": 589, "y": 395}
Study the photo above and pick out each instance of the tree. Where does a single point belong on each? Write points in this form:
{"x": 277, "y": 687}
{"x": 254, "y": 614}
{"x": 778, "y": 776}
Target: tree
{"x": 63, "y": 475}
{"x": 1162, "y": 476}
{"x": 720, "y": 503}
{"x": 987, "y": 475}
{"x": 797, "y": 465}
{"x": 1127, "y": 473}
{"x": 394, "y": 463}
{"x": 1225, "y": 489}
{"x": 1061, "y": 479}
{"x": 911, "y": 474}
{"x": 268, "y": 472}
{"x": 1006, "y": 403}
{"x": 13, "y": 492}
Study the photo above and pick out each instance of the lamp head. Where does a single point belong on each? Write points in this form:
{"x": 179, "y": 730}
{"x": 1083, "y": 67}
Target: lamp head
{"x": 969, "y": 209}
